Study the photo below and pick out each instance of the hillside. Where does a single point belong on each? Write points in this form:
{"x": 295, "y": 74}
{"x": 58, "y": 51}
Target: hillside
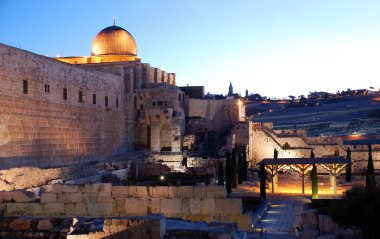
{"x": 338, "y": 116}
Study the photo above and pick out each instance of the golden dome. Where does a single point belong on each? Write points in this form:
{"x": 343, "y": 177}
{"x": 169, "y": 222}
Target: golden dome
{"x": 113, "y": 40}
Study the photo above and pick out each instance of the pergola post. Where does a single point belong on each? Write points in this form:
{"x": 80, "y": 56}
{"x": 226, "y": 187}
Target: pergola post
{"x": 333, "y": 183}
{"x": 334, "y": 170}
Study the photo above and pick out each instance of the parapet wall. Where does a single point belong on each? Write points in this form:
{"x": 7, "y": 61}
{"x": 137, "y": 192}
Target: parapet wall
{"x": 53, "y": 113}
{"x": 195, "y": 203}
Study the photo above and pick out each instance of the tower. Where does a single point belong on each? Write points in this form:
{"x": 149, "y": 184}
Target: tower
{"x": 230, "y": 90}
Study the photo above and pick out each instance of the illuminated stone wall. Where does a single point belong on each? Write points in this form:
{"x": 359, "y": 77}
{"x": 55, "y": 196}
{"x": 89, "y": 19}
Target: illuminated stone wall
{"x": 41, "y": 128}
{"x": 219, "y": 114}
{"x": 294, "y": 144}
{"x": 196, "y": 203}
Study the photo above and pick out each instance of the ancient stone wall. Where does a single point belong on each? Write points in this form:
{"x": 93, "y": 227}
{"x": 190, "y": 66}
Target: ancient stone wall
{"x": 196, "y": 203}
{"x": 219, "y": 114}
{"x": 42, "y": 120}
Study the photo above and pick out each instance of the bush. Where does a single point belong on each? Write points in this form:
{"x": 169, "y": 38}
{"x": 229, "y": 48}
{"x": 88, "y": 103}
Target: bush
{"x": 359, "y": 208}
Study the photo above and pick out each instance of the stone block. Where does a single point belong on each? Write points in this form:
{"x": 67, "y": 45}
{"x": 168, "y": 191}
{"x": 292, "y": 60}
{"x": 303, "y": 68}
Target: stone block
{"x": 200, "y": 192}
{"x": 142, "y": 191}
{"x": 132, "y": 192}
{"x": 208, "y": 206}
{"x": 81, "y": 209}
{"x": 48, "y": 197}
{"x": 105, "y": 188}
{"x": 243, "y": 221}
{"x": 13, "y": 209}
{"x": 36, "y": 209}
{"x": 64, "y": 197}
{"x": 86, "y": 197}
{"x": 57, "y": 188}
{"x": 186, "y": 192}
{"x": 88, "y": 188}
{"x": 23, "y": 196}
{"x": 7, "y": 196}
{"x": 69, "y": 209}
{"x": 171, "y": 206}
{"x": 228, "y": 206}
{"x": 104, "y": 197}
{"x": 136, "y": 206}
{"x": 159, "y": 191}
{"x": 155, "y": 206}
{"x": 76, "y": 197}
{"x": 99, "y": 209}
{"x": 44, "y": 225}
{"x": 54, "y": 208}
{"x": 119, "y": 206}
{"x": 67, "y": 188}
{"x": 185, "y": 206}
{"x": 21, "y": 224}
{"x": 173, "y": 192}
{"x": 195, "y": 206}
{"x": 120, "y": 191}
{"x": 216, "y": 192}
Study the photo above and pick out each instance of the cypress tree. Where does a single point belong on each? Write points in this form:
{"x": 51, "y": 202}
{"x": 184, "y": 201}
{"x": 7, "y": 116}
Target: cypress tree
{"x": 263, "y": 186}
{"x": 245, "y": 166}
{"x": 348, "y": 168}
{"x": 314, "y": 182}
{"x": 312, "y": 154}
{"x": 275, "y": 153}
{"x": 220, "y": 174}
{"x": 370, "y": 182}
{"x": 240, "y": 169}
{"x": 233, "y": 169}
{"x": 228, "y": 173}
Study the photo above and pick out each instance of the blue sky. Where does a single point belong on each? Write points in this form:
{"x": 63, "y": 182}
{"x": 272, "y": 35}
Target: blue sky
{"x": 272, "y": 47}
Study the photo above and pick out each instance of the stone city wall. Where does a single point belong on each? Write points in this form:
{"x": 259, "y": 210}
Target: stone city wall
{"x": 196, "y": 203}
{"x": 39, "y": 127}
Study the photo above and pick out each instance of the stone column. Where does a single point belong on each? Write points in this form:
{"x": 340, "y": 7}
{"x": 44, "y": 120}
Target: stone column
{"x": 155, "y": 138}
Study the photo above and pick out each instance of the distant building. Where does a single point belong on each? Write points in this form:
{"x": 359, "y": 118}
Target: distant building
{"x": 230, "y": 90}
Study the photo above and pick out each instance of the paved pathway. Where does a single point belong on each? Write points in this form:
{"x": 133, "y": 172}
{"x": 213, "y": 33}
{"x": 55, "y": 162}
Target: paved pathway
{"x": 277, "y": 221}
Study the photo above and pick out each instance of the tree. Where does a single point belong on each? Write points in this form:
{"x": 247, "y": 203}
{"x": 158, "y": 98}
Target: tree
{"x": 245, "y": 166}
{"x": 348, "y": 168}
{"x": 233, "y": 169}
{"x": 314, "y": 182}
{"x": 240, "y": 169}
{"x": 263, "y": 186}
{"x": 228, "y": 173}
{"x": 220, "y": 174}
{"x": 370, "y": 181}
{"x": 312, "y": 154}
{"x": 275, "y": 153}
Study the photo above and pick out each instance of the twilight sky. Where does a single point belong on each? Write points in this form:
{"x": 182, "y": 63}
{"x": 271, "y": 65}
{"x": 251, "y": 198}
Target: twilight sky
{"x": 271, "y": 47}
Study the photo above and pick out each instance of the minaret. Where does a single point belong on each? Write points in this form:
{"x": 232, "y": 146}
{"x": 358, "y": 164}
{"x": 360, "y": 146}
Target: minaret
{"x": 246, "y": 93}
{"x": 230, "y": 90}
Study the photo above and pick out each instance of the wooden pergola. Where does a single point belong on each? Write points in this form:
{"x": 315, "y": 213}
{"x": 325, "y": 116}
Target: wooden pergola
{"x": 303, "y": 166}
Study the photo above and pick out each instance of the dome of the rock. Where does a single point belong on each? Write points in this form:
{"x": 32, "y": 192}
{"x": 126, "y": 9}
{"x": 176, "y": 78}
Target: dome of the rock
{"x": 113, "y": 40}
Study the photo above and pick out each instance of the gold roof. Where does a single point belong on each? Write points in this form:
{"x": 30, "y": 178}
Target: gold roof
{"x": 113, "y": 40}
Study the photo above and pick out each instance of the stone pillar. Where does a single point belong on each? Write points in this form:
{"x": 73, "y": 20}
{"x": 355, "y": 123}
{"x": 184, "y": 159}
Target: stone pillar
{"x": 333, "y": 183}
{"x": 155, "y": 139}
{"x": 275, "y": 180}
